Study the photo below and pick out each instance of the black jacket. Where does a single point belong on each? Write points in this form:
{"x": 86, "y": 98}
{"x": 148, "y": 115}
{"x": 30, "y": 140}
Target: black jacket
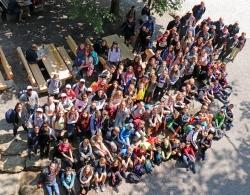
{"x": 19, "y": 120}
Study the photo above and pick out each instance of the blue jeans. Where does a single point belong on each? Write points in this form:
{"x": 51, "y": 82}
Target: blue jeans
{"x": 52, "y": 188}
{"x": 71, "y": 129}
{"x": 189, "y": 163}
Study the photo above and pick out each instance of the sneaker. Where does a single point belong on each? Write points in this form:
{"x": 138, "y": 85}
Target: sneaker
{"x": 17, "y": 138}
{"x": 97, "y": 189}
{"x": 116, "y": 189}
{"x": 102, "y": 188}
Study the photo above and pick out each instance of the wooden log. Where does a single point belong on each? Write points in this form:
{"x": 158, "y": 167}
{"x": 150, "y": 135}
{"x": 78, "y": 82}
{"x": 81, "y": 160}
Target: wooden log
{"x": 3, "y": 85}
{"x": 72, "y": 44}
{"x": 42, "y": 84}
{"x": 65, "y": 56}
{"x": 6, "y": 66}
{"x": 26, "y": 66}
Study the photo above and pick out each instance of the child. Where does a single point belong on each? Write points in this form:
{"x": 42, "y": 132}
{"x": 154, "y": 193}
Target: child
{"x": 68, "y": 180}
{"x": 115, "y": 175}
{"x": 150, "y": 90}
{"x": 65, "y": 152}
{"x": 85, "y": 150}
{"x": 85, "y": 177}
{"x": 100, "y": 175}
{"x": 114, "y": 54}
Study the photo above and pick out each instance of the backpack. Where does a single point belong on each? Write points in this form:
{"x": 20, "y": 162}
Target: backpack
{"x": 148, "y": 166}
{"x": 133, "y": 178}
{"x": 21, "y": 93}
{"x": 157, "y": 158}
{"x": 95, "y": 58}
{"x": 218, "y": 134}
{"x": 10, "y": 116}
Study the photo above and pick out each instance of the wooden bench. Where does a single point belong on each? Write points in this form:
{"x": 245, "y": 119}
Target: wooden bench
{"x": 65, "y": 56}
{"x": 88, "y": 41}
{"x": 126, "y": 52}
{"x": 26, "y": 66}
{"x": 35, "y": 75}
{"x": 3, "y": 85}
{"x": 72, "y": 44}
{"x": 5, "y": 64}
{"x": 41, "y": 82}
{"x": 54, "y": 63}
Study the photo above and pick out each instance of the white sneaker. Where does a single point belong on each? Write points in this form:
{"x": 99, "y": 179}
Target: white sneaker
{"x": 18, "y": 138}
{"x": 102, "y": 188}
{"x": 97, "y": 189}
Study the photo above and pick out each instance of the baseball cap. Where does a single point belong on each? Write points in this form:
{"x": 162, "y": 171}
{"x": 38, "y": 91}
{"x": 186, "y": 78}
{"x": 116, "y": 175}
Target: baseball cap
{"x": 68, "y": 86}
{"x": 89, "y": 89}
{"x": 39, "y": 110}
{"x": 82, "y": 80}
{"x": 29, "y": 87}
{"x": 63, "y": 95}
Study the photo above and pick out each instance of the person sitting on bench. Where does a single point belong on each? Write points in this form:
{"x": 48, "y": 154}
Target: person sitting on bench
{"x": 31, "y": 54}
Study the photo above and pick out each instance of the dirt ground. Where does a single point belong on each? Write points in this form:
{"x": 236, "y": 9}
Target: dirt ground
{"x": 50, "y": 25}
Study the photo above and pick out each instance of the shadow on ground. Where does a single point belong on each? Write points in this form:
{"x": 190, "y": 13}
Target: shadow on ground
{"x": 245, "y": 109}
{"x": 225, "y": 182}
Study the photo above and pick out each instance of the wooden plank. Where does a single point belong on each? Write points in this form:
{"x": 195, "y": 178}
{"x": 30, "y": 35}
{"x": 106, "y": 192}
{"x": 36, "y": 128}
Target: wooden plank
{"x": 26, "y": 66}
{"x": 62, "y": 68}
{"x": 54, "y": 63}
{"x": 125, "y": 51}
{"x": 3, "y": 85}
{"x": 72, "y": 44}
{"x": 88, "y": 41}
{"x": 6, "y": 66}
{"x": 104, "y": 63}
{"x": 42, "y": 85}
{"x": 65, "y": 56}
{"x": 149, "y": 53}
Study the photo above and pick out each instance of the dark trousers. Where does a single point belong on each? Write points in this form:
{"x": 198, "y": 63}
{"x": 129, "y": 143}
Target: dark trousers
{"x": 158, "y": 92}
{"x": 224, "y": 54}
{"x": 70, "y": 192}
{"x": 203, "y": 153}
{"x": 44, "y": 149}
{"x": 66, "y": 161}
{"x": 4, "y": 16}
{"x": 117, "y": 181}
{"x": 15, "y": 128}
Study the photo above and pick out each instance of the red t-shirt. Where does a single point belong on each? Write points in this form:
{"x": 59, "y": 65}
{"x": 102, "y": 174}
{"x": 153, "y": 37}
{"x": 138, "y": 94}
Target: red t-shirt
{"x": 65, "y": 148}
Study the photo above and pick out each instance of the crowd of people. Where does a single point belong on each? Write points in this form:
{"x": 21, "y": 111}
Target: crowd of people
{"x": 21, "y": 9}
{"x": 138, "y": 113}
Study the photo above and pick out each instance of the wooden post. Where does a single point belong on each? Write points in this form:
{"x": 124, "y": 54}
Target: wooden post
{"x": 6, "y": 66}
